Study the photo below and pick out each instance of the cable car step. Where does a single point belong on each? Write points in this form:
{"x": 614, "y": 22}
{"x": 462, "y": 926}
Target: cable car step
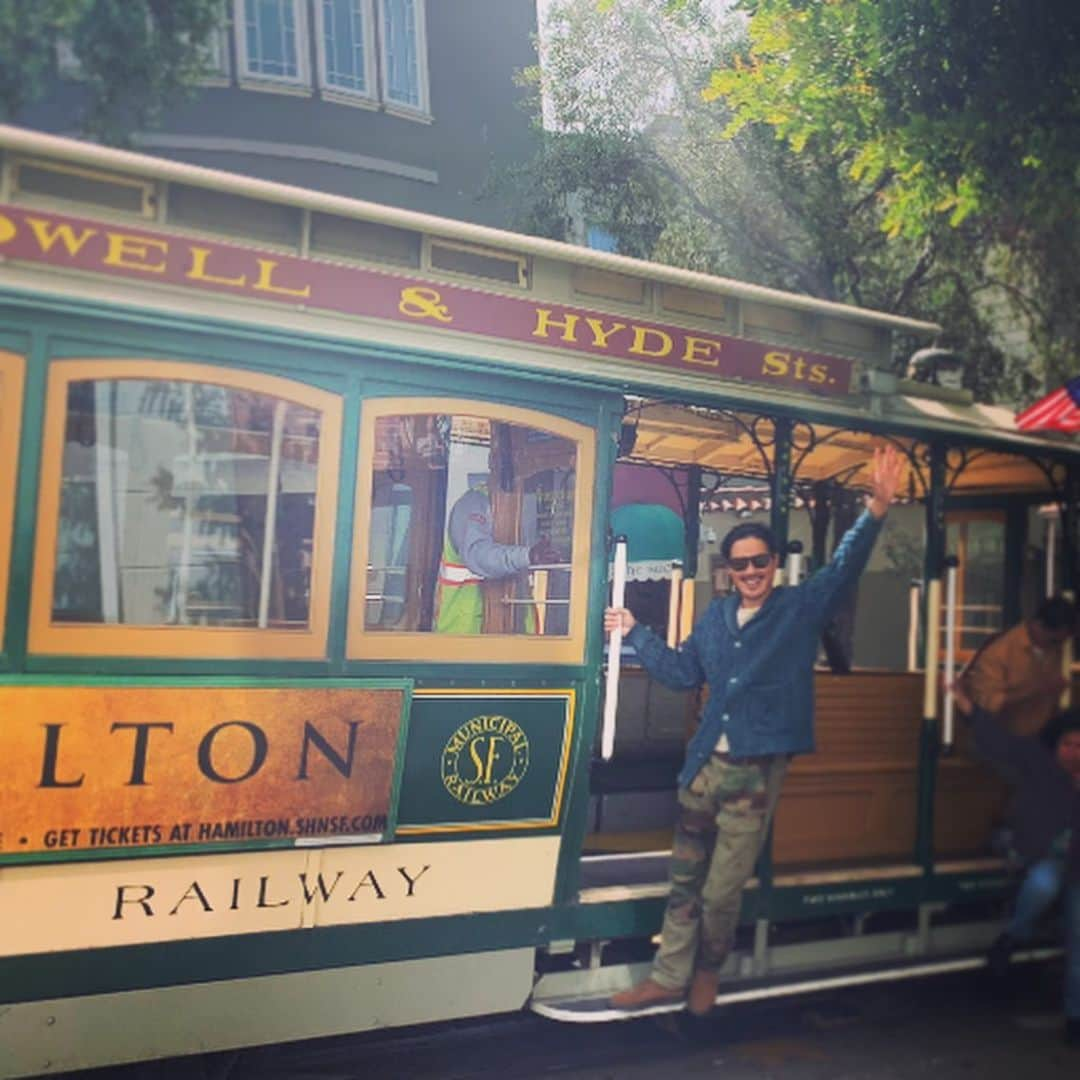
{"x": 595, "y": 1007}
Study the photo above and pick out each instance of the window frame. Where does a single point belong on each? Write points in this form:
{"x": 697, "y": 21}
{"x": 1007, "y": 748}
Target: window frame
{"x": 364, "y": 644}
{"x": 422, "y": 110}
{"x": 221, "y": 74}
{"x": 47, "y": 638}
{"x": 257, "y": 80}
{"x": 368, "y": 97}
{"x": 148, "y": 190}
{"x": 12, "y": 385}
{"x": 963, "y": 519}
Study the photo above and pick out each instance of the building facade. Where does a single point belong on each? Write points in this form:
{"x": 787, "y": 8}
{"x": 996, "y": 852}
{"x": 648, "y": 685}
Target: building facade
{"x": 412, "y": 103}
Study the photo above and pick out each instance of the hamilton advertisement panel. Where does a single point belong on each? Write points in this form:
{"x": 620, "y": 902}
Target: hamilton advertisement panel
{"x": 96, "y": 769}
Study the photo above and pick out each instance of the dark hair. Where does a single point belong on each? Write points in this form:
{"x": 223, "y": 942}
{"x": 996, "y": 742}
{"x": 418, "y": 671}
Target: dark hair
{"x": 1057, "y": 727}
{"x": 1057, "y": 613}
{"x": 746, "y": 531}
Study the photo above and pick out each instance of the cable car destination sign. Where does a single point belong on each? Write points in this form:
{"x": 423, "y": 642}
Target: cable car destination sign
{"x": 311, "y": 284}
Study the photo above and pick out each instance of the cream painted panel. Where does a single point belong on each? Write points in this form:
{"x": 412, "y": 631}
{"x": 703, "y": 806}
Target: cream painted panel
{"x": 55, "y": 1035}
{"x": 480, "y": 875}
{"x": 103, "y": 904}
{"x": 125, "y": 902}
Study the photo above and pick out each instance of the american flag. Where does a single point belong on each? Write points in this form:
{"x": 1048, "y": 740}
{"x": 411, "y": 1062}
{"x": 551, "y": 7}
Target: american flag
{"x": 1059, "y": 411}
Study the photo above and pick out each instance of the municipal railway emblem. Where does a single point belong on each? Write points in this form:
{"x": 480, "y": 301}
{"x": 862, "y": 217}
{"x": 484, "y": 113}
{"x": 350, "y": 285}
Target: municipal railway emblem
{"x": 484, "y": 760}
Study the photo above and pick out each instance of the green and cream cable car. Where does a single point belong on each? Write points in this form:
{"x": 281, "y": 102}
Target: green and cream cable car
{"x": 259, "y": 785}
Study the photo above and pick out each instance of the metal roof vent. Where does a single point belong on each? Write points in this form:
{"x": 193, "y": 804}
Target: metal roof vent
{"x": 938, "y": 367}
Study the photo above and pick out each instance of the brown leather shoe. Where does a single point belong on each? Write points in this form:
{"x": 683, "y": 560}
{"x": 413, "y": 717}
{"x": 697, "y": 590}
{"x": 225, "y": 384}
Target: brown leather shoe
{"x": 646, "y": 994}
{"x": 703, "y": 992}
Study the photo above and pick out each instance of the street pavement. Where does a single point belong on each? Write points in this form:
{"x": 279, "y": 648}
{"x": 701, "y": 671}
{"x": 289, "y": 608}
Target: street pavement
{"x": 958, "y": 1026}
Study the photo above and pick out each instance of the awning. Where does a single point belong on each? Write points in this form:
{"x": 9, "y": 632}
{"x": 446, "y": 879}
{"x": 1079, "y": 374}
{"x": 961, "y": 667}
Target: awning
{"x": 655, "y": 539}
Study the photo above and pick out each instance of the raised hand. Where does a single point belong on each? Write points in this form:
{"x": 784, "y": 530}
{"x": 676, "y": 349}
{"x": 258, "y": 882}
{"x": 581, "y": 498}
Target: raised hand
{"x": 887, "y": 470}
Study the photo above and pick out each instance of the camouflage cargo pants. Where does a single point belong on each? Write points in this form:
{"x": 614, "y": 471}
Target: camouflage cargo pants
{"x": 723, "y": 820}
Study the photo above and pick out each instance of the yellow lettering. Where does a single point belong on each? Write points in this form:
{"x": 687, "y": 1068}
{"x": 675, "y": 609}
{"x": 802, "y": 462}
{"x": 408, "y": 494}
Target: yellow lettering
{"x": 484, "y": 765}
{"x": 641, "y": 337}
{"x": 478, "y": 763}
{"x": 776, "y": 363}
{"x": 800, "y": 367}
{"x": 493, "y": 753}
{"x": 545, "y": 321}
{"x": 199, "y": 255}
{"x": 264, "y": 283}
{"x": 700, "y": 351}
{"x": 7, "y": 229}
{"x": 131, "y": 252}
{"x": 47, "y": 233}
{"x": 600, "y": 335}
{"x": 420, "y": 303}
{"x": 819, "y": 373}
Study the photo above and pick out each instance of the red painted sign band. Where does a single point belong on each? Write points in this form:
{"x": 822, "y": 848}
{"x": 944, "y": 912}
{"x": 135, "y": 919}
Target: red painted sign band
{"x": 97, "y": 247}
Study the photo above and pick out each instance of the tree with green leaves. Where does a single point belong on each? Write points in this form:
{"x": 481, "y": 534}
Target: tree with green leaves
{"x": 632, "y": 139}
{"x": 963, "y": 110}
{"x": 134, "y": 57}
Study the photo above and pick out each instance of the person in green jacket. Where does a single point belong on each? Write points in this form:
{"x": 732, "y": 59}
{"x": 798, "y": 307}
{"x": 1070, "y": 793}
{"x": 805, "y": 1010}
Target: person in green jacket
{"x": 471, "y": 556}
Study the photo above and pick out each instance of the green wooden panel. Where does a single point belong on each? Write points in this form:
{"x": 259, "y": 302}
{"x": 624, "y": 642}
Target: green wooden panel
{"x": 485, "y": 760}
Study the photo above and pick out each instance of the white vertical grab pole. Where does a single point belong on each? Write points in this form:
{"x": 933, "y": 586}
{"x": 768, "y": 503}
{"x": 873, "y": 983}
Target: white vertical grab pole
{"x": 614, "y": 662}
{"x": 794, "y": 562}
{"x": 674, "y": 597}
{"x": 1065, "y": 700}
{"x": 948, "y": 716}
{"x": 933, "y": 648}
{"x": 105, "y": 454}
{"x": 1051, "y": 555}
{"x": 180, "y": 601}
{"x": 914, "y": 596}
{"x": 686, "y": 609}
{"x": 273, "y": 482}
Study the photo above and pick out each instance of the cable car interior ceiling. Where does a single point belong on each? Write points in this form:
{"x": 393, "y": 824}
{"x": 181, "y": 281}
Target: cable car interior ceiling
{"x": 739, "y": 444}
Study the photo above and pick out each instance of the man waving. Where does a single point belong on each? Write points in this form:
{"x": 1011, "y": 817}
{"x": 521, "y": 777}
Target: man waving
{"x": 756, "y": 649}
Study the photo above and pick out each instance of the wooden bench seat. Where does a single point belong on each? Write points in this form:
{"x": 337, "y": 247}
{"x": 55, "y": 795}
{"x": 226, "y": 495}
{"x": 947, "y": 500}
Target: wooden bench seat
{"x": 855, "y": 799}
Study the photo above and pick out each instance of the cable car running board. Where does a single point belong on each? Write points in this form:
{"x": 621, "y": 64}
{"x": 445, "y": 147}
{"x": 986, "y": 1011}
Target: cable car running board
{"x": 595, "y": 1009}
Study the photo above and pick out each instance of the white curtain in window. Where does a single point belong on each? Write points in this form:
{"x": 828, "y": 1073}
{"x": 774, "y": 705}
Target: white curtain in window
{"x": 344, "y": 44}
{"x": 401, "y": 48}
{"x": 271, "y": 38}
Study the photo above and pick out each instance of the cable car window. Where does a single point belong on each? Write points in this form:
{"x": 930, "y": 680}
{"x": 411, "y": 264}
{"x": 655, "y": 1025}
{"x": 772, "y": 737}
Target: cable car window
{"x": 471, "y": 527}
{"x": 187, "y": 503}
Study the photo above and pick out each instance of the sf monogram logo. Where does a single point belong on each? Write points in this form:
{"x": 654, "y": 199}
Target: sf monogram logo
{"x": 485, "y": 760}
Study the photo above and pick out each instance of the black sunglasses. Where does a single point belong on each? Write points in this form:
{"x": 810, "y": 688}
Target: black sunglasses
{"x": 759, "y": 562}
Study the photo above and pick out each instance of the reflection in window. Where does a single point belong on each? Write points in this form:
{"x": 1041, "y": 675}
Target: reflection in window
{"x": 215, "y": 56}
{"x": 402, "y": 44}
{"x": 185, "y": 504}
{"x": 345, "y": 42}
{"x": 978, "y": 542}
{"x": 272, "y": 40}
{"x": 471, "y": 527}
